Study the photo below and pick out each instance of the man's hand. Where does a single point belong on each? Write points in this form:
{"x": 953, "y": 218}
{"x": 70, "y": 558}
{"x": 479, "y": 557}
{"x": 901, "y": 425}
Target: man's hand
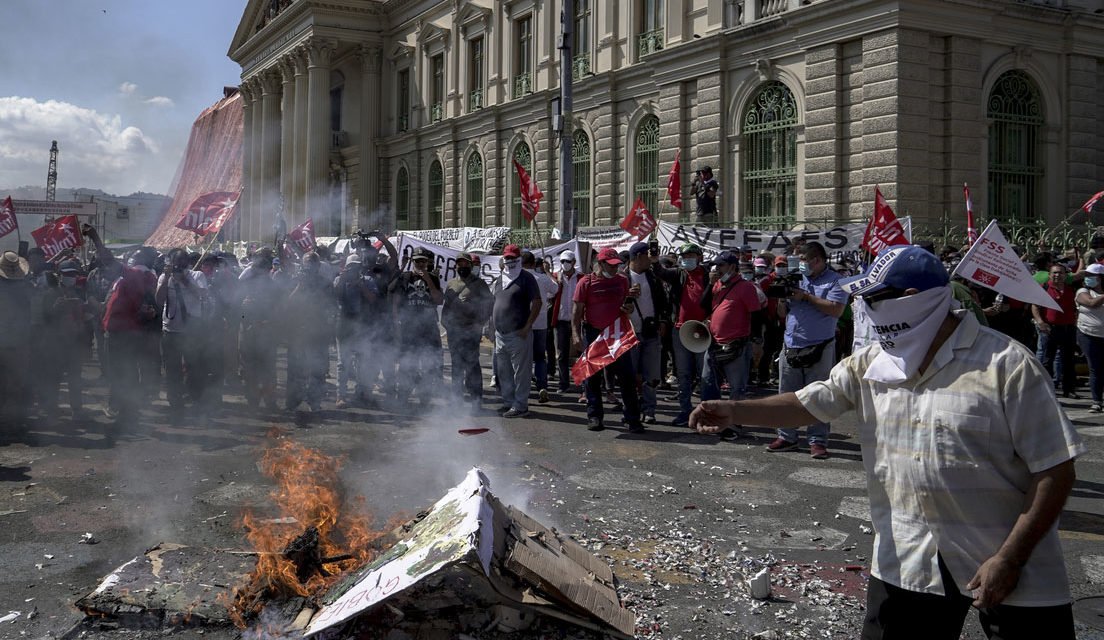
{"x": 1043, "y": 327}
{"x": 523, "y": 332}
{"x": 576, "y": 344}
{"x": 714, "y": 277}
{"x": 799, "y": 295}
{"x": 994, "y": 580}
{"x": 627, "y": 307}
{"x": 713, "y": 416}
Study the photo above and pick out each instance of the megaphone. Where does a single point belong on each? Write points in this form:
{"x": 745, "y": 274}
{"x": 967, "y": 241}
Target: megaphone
{"x": 695, "y": 336}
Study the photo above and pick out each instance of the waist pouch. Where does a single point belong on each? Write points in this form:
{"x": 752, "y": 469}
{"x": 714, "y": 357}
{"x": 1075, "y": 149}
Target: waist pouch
{"x": 805, "y": 357}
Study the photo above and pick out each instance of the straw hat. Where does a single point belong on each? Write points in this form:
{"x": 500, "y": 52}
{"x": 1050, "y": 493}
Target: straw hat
{"x": 13, "y": 267}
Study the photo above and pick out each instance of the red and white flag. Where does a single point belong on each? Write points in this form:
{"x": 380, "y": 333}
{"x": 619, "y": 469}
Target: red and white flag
{"x": 885, "y": 229}
{"x": 1091, "y": 202}
{"x": 61, "y": 234}
{"x": 639, "y": 222}
{"x": 674, "y": 182}
{"x": 530, "y": 193}
{"x": 8, "y": 223}
{"x": 971, "y": 229}
{"x": 302, "y": 236}
{"x": 208, "y": 212}
{"x": 992, "y": 263}
{"x": 615, "y": 341}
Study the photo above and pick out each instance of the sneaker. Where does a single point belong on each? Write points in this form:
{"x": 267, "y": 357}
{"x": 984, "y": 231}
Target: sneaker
{"x": 342, "y": 404}
{"x": 1071, "y": 395}
{"x": 671, "y": 381}
{"x": 818, "y": 451}
{"x": 1096, "y": 408}
{"x": 504, "y": 408}
{"x": 649, "y": 419}
{"x": 680, "y": 421}
{"x": 514, "y": 413}
{"x": 594, "y": 424}
{"x": 542, "y": 397}
{"x": 781, "y": 444}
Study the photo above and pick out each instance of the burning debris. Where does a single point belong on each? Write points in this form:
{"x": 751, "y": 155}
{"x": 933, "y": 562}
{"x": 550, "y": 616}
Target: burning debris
{"x": 469, "y": 566}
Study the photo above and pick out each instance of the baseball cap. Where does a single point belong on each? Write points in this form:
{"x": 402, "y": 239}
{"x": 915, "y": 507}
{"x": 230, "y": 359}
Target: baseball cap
{"x": 781, "y": 261}
{"x": 69, "y": 266}
{"x": 760, "y": 262}
{"x": 422, "y": 253}
{"x": 567, "y": 255}
{"x": 1095, "y": 268}
{"x": 638, "y": 249}
{"x": 609, "y": 255}
{"x": 902, "y": 267}
{"x": 511, "y": 251}
{"x": 465, "y": 257}
{"x": 690, "y": 247}
{"x": 726, "y": 257}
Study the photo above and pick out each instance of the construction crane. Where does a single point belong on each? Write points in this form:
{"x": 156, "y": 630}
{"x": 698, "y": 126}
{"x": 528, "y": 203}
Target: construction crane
{"x": 51, "y": 177}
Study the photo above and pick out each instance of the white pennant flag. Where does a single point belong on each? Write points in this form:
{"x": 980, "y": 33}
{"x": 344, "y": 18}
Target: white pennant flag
{"x": 993, "y": 264}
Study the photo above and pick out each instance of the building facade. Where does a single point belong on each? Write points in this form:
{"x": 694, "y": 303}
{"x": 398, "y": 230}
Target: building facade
{"x": 410, "y": 113}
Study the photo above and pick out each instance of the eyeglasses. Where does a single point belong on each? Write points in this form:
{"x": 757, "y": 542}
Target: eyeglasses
{"x": 889, "y": 293}
{"x": 567, "y": 262}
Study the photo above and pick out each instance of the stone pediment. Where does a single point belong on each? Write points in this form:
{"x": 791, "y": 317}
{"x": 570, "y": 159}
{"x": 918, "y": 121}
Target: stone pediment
{"x": 432, "y": 33}
{"x": 257, "y": 15}
{"x": 399, "y": 51}
{"x": 471, "y": 14}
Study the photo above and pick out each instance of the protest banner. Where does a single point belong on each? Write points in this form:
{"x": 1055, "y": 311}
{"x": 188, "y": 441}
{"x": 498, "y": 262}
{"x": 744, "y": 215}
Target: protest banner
{"x": 477, "y": 239}
{"x": 59, "y": 235}
{"x": 207, "y": 213}
{"x": 602, "y": 237}
{"x": 993, "y": 264}
{"x": 445, "y": 257}
{"x": 302, "y": 236}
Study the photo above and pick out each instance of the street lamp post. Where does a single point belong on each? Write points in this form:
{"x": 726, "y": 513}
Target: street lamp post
{"x": 562, "y": 122}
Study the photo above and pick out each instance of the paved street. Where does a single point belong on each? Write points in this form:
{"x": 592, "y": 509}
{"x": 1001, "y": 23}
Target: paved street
{"x": 680, "y": 516}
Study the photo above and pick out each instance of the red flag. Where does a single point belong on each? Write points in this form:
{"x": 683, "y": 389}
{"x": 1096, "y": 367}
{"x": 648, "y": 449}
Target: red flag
{"x": 302, "y": 236}
{"x": 61, "y": 234}
{"x": 8, "y": 223}
{"x": 615, "y": 341}
{"x": 971, "y": 230}
{"x": 208, "y": 212}
{"x": 885, "y": 229}
{"x": 530, "y": 193}
{"x": 674, "y": 182}
{"x": 1091, "y": 202}
{"x": 639, "y": 222}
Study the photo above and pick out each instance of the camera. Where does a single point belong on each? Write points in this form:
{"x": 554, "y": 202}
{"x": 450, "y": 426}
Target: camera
{"x": 784, "y": 286}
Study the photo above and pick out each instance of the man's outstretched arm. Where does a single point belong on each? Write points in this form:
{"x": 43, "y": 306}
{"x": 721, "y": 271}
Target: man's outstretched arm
{"x": 783, "y": 410}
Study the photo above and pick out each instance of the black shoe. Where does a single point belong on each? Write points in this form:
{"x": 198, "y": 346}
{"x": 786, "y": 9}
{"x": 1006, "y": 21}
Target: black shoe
{"x": 503, "y": 409}
{"x": 680, "y": 422}
{"x": 514, "y": 413}
{"x": 594, "y": 424}
{"x": 731, "y": 434}
{"x": 636, "y": 427}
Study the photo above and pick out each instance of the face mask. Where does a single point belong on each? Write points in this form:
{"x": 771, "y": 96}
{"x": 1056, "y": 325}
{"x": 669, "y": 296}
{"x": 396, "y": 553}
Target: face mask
{"x": 748, "y": 276}
{"x": 905, "y": 328}
{"x": 1091, "y": 282}
{"x": 803, "y": 268}
{"x": 463, "y": 272}
{"x": 72, "y": 282}
{"x": 781, "y": 271}
{"x": 761, "y": 271}
{"x": 725, "y": 276}
{"x": 688, "y": 263}
{"x": 511, "y": 265}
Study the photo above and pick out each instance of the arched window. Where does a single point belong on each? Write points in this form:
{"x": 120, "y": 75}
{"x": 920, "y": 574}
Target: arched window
{"x": 580, "y": 163}
{"x": 474, "y": 217}
{"x": 769, "y": 154}
{"x": 1015, "y": 115}
{"x": 646, "y": 164}
{"x": 402, "y": 199}
{"x": 436, "y": 195}
{"x": 524, "y": 156}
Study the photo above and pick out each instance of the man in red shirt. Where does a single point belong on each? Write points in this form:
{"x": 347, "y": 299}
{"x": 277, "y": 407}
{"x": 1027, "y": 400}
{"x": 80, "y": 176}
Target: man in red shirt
{"x": 599, "y": 299}
{"x": 688, "y": 283}
{"x": 130, "y": 308}
{"x": 1058, "y": 329}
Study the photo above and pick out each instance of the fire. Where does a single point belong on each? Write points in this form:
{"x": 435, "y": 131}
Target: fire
{"x": 313, "y": 515}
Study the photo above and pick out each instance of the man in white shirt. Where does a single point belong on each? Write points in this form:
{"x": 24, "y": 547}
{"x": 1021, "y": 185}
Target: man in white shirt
{"x": 969, "y": 460}
{"x": 562, "y": 306}
{"x": 649, "y": 320}
{"x": 539, "y": 334}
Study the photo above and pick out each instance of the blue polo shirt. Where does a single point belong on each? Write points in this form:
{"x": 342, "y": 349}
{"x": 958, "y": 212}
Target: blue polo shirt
{"x": 805, "y": 324}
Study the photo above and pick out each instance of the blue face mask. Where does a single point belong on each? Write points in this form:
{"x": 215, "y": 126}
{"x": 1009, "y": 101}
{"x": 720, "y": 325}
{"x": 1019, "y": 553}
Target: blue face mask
{"x": 1091, "y": 282}
{"x": 803, "y": 268}
{"x": 688, "y": 263}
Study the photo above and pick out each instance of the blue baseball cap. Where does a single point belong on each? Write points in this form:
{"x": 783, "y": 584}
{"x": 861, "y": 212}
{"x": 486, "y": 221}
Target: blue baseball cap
{"x": 902, "y": 267}
{"x": 639, "y": 248}
{"x": 726, "y": 257}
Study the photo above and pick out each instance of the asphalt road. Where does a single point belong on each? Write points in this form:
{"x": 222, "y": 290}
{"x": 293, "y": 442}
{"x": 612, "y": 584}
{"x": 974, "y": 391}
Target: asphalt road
{"x": 681, "y": 517}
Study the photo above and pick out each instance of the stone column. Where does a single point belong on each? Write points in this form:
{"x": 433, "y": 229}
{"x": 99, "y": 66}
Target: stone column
{"x": 245, "y": 207}
{"x": 297, "y": 198}
{"x": 287, "y": 135}
{"x": 255, "y": 180}
{"x": 319, "y": 55}
{"x": 270, "y": 149}
{"x": 370, "y": 92}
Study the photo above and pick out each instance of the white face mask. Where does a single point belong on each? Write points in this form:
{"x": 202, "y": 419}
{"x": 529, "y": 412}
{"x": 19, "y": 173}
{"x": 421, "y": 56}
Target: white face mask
{"x": 906, "y": 327}
{"x": 725, "y": 276}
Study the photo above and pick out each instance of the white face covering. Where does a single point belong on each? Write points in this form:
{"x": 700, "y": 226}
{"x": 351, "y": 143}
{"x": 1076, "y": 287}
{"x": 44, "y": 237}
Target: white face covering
{"x": 905, "y": 328}
{"x": 511, "y": 269}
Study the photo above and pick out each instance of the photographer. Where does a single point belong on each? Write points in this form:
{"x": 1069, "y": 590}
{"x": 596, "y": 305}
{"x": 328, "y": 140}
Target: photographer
{"x": 704, "y": 188}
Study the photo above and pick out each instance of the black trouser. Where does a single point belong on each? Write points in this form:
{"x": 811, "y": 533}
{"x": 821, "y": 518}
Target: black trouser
{"x": 467, "y": 375}
{"x": 893, "y": 613}
{"x": 125, "y": 350}
{"x": 621, "y": 370}
{"x": 563, "y": 353}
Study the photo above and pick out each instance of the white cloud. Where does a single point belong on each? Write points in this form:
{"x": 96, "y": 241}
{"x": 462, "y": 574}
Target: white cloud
{"x": 128, "y": 88}
{"x": 96, "y": 150}
{"x": 160, "y": 101}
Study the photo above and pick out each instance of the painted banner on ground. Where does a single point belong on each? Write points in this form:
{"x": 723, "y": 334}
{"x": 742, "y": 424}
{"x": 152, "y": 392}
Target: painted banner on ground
{"x": 842, "y": 241}
{"x": 478, "y": 239}
{"x": 993, "y": 264}
{"x": 444, "y": 262}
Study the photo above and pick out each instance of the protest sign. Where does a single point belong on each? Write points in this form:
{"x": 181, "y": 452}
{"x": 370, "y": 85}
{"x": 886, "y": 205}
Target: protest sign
{"x": 444, "y": 263}
{"x": 59, "y": 235}
{"x": 477, "y": 239}
{"x": 602, "y": 237}
{"x": 993, "y": 264}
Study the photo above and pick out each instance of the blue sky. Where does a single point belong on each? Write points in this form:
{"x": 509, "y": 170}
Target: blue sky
{"x": 117, "y": 83}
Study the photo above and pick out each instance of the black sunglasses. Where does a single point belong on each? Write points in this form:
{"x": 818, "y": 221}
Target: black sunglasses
{"x": 889, "y": 293}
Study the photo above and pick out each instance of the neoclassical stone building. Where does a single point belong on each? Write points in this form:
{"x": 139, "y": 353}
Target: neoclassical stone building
{"x": 419, "y": 107}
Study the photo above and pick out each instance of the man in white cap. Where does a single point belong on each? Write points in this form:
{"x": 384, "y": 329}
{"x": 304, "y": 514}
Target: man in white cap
{"x": 969, "y": 460}
{"x": 567, "y": 277}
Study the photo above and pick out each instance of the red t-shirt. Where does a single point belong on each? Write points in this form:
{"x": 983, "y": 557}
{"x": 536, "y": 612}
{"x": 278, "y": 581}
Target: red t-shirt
{"x": 690, "y": 304}
{"x": 1064, "y": 297}
{"x": 125, "y": 299}
{"x": 602, "y": 297}
{"x": 732, "y": 309}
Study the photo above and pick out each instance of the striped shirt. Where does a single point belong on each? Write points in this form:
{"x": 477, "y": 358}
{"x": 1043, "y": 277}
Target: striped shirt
{"x": 949, "y": 457}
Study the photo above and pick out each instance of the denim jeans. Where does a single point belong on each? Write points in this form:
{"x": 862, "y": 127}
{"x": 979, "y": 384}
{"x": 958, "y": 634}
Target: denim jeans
{"x": 514, "y": 368}
{"x": 688, "y": 365}
{"x": 645, "y": 363}
{"x": 735, "y": 372}
{"x": 1059, "y": 342}
{"x": 792, "y": 379}
{"x": 1093, "y": 348}
{"x": 540, "y": 356}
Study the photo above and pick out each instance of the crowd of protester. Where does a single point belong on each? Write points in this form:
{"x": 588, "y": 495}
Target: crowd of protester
{"x": 198, "y": 327}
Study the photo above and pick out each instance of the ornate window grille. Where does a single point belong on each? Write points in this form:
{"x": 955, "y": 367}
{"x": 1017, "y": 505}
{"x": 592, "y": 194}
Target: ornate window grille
{"x": 581, "y": 163}
{"x": 524, "y": 156}
{"x": 580, "y": 66}
{"x": 646, "y": 164}
{"x": 437, "y": 97}
{"x": 436, "y": 195}
{"x": 402, "y": 199}
{"x": 474, "y": 217}
{"x": 1015, "y": 115}
{"x": 651, "y": 35}
{"x": 523, "y": 59}
{"x": 436, "y": 112}
{"x": 475, "y": 91}
{"x": 523, "y": 85}
{"x": 403, "y": 107}
{"x": 475, "y": 100}
{"x": 769, "y": 154}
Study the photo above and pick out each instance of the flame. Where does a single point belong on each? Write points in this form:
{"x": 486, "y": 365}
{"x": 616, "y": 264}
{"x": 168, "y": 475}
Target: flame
{"x": 308, "y": 494}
